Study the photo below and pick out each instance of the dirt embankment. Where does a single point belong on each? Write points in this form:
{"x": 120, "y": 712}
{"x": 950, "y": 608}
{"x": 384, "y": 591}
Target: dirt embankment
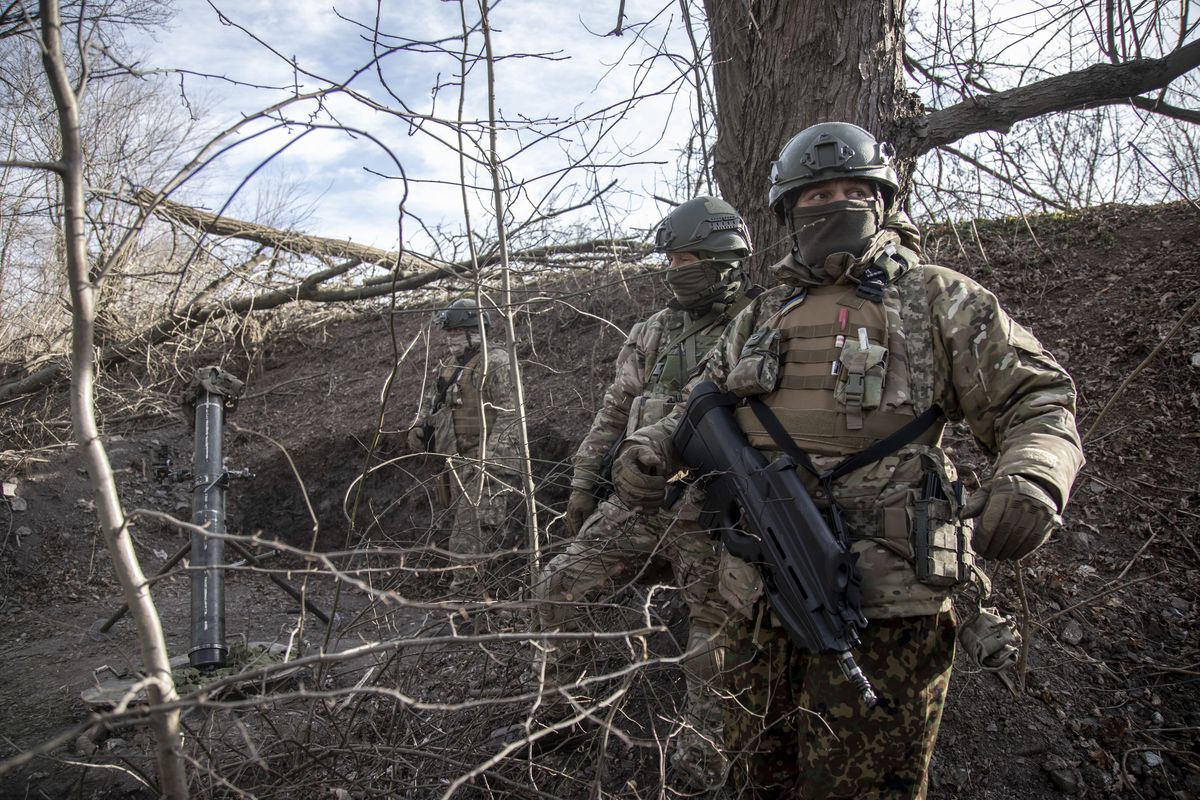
{"x": 1109, "y": 709}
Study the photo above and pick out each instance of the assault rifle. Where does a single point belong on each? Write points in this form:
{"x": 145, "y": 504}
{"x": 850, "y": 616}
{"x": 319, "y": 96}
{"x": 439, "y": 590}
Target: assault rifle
{"x": 808, "y": 572}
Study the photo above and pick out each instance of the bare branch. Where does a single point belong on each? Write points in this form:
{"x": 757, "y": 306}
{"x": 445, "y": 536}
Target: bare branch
{"x": 1097, "y": 85}
{"x": 291, "y": 241}
{"x": 1166, "y": 109}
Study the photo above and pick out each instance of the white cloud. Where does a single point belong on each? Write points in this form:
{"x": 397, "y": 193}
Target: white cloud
{"x": 332, "y": 169}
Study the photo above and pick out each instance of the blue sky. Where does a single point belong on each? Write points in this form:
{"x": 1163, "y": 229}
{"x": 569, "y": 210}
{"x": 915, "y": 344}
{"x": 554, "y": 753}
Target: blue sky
{"x": 346, "y": 186}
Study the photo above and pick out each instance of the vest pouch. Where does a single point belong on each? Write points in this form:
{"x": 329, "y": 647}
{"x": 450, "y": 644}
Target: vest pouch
{"x": 876, "y": 369}
{"x": 937, "y": 559}
{"x": 925, "y": 522}
{"x": 655, "y": 408}
{"x": 860, "y": 375}
{"x": 634, "y": 420}
{"x": 941, "y": 539}
{"x": 647, "y": 410}
{"x": 757, "y": 370}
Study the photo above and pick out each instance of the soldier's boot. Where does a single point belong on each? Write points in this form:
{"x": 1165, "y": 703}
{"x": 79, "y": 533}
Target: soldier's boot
{"x": 697, "y": 758}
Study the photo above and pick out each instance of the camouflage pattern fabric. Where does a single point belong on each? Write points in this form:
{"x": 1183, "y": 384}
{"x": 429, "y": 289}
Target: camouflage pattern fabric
{"x": 479, "y": 510}
{"x": 798, "y": 729}
{"x": 616, "y": 547}
{"x": 476, "y": 484}
{"x": 986, "y": 370}
{"x": 635, "y": 391}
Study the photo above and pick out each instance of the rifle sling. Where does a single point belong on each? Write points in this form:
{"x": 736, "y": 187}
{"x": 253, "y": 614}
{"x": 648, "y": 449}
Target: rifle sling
{"x": 868, "y": 455}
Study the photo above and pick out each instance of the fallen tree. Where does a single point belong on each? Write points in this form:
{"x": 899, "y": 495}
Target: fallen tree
{"x": 407, "y": 272}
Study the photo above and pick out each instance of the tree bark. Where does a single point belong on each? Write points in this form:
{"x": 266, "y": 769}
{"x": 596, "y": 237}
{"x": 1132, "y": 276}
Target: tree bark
{"x": 160, "y": 688}
{"x": 782, "y": 65}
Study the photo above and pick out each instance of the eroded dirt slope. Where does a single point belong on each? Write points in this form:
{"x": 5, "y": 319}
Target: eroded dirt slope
{"x": 1110, "y": 706}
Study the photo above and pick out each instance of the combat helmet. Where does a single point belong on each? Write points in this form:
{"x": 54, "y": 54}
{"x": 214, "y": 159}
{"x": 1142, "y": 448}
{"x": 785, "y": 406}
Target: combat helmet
{"x": 827, "y": 151}
{"x": 462, "y": 313}
{"x": 704, "y": 225}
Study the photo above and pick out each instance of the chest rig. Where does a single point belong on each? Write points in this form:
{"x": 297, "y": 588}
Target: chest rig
{"x": 673, "y": 353}
{"x": 458, "y": 395}
{"x": 853, "y": 406}
{"x": 853, "y": 366}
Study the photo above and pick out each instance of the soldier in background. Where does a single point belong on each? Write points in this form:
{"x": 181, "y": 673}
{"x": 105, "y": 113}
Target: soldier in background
{"x": 469, "y": 417}
{"x": 704, "y": 241}
{"x": 859, "y": 339}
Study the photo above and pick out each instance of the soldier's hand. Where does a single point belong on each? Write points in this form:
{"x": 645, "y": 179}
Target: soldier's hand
{"x": 579, "y": 507}
{"x": 1015, "y": 517}
{"x": 416, "y": 439}
{"x": 638, "y": 478}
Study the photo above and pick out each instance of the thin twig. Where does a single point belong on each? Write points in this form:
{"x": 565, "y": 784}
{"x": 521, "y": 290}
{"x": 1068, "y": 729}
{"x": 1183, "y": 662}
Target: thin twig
{"x": 1098, "y": 596}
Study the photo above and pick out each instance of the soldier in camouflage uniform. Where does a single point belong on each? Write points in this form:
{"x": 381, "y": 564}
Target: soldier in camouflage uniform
{"x": 469, "y": 416}
{"x": 859, "y": 339}
{"x": 704, "y": 240}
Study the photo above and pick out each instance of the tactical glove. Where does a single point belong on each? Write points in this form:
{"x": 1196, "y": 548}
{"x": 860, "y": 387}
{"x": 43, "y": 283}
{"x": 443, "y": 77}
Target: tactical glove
{"x": 579, "y": 507}
{"x": 637, "y": 476}
{"x": 1015, "y": 517}
{"x": 418, "y": 437}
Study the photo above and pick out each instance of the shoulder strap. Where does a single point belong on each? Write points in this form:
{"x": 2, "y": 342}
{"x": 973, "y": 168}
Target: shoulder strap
{"x": 918, "y": 336}
{"x": 868, "y": 455}
{"x": 688, "y": 331}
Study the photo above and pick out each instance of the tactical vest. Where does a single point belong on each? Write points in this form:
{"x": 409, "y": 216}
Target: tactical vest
{"x": 673, "y": 352}
{"x": 461, "y": 399}
{"x": 834, "y": 395}
{"x": 850, "y": 373}
{"x": 469, "y": 424}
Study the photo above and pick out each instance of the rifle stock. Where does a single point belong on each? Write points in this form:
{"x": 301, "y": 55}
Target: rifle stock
{"x": 765, "y": 516}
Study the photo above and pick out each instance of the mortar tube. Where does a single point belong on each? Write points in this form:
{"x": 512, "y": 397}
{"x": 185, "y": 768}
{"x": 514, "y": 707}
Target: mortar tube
{"x": 208, "y": 648}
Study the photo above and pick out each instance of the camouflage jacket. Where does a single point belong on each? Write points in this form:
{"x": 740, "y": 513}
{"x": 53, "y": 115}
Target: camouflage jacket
{"x": 986, "y": 370}
{"x": 642, "y": 391}
{"x": 452, "y": 411}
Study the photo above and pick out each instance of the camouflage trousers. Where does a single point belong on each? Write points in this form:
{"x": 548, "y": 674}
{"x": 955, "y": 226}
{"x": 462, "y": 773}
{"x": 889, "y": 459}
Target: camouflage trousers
{"x": 615, "y": 547}
{"x": 796, "y": 728}
{"x": 477, "y": 512}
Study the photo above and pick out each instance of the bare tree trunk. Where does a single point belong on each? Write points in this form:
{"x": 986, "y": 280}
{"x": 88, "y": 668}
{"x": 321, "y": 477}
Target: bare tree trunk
{"x": 160, "y": 687}
{"x": 782, "y": 65}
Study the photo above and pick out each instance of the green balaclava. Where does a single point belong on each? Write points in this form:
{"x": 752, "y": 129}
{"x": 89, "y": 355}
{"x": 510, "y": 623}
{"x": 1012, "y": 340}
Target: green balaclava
{"x": 700, "y": 284}
{"x": 712, "y": 230}
{"x": 845, "y": 226}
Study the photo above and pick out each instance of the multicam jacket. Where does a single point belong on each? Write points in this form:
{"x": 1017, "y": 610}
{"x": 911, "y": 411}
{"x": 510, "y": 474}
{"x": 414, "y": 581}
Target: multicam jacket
{"x": 659, "y": 357}
{"x": 453, "y": 417}
{"x": 937, "y": 338}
